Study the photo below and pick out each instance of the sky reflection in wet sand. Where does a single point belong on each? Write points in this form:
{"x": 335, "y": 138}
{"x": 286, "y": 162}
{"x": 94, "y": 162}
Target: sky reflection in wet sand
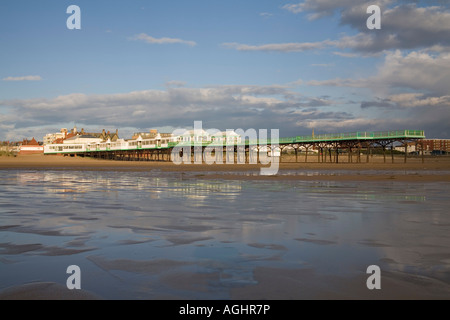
{"x": 153, "y": 235}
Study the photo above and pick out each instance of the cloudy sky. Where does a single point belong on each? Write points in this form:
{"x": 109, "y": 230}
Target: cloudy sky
{"x": 263, "y": 64}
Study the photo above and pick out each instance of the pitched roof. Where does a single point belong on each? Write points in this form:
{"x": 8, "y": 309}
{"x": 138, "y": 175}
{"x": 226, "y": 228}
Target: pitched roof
{"x": 31, "y": 142}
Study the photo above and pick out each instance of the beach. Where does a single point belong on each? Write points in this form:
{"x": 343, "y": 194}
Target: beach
{"x": 160, "y": 231}
{"x": 432, "y": 169}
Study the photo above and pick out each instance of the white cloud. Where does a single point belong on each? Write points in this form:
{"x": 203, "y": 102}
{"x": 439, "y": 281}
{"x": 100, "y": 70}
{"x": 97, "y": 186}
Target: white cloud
{"x": 149, "y": 39}
{"x": 155, "y": 106}
{"x": 347, "y": 54}
{"x": 403, "y": 25}
{"x": 338, "y": 82}
{"x": 222, "y": 107}
{"x": 175, "y": 83}
{"x": 418, "y": 100}
{"x": 345, "y": 125}
{"x": 294, "y": 7}
{"x": 320, "y": 8}
{"x": 280, "y": 47}
{"x": 417, "y": 70}
{"x": 23, "y": 78}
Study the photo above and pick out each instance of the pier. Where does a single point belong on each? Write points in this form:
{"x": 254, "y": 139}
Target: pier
{"x": 323, "y": 147}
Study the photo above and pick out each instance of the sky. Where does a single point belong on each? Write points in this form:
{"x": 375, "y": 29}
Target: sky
{"x": 291, "y": 65}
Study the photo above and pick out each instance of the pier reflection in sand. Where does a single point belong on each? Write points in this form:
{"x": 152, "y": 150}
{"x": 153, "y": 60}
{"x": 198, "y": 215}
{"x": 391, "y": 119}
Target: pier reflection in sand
{"x": 161, "y": 235}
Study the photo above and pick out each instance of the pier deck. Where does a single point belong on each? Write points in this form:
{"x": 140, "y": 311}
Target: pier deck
{"x": 324, "y": 145}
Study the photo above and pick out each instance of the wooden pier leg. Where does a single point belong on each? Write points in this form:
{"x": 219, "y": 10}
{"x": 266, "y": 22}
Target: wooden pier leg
{"x": 359, "y": 153}
{"x": 306, "y": 155}
{"x": 406, "y": 150}
{"x": 336, "y": 154}
{"x": 423, "y": 158}
{"x": 392, "y": 153}
{"x": 368, "y": 151}
{"x": 384, "y": 154}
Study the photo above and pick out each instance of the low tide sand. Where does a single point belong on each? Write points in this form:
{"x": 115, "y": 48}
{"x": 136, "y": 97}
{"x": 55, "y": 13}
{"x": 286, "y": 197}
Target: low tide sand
{"x": 272, "y": 283}
{"x": 433, "y": 169}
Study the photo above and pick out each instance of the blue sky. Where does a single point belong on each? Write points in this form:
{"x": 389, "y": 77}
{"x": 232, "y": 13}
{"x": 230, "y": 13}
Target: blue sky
{"x": 288, "y": 65}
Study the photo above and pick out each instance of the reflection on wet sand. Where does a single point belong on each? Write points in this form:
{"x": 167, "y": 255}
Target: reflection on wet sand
{"x": 155, "y": 235}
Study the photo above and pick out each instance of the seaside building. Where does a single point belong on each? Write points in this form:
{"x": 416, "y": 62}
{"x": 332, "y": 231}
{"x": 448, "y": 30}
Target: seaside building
{"x": 80, "y": 139}
{"x": 411, "y": 147}
{"x": 104, "y": 135}
{"x": 153, "y": 134}
{"x": 221, "y": 137}
{"x": 435, "y": 146}
{"x": 7, "y": 146}
{"x": 53, "y": 137}
{"x": 75, "y": 136}
{"x": 30, "y": 147}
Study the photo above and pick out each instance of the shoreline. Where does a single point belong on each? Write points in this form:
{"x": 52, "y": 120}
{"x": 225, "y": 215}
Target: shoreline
{"x": 260, "y": 241}
{"x": 432, "y": 170}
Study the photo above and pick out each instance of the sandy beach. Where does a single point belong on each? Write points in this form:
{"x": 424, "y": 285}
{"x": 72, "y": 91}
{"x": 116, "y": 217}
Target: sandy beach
{"x": 433, "y": 169}
{"x": 207, "y": 231}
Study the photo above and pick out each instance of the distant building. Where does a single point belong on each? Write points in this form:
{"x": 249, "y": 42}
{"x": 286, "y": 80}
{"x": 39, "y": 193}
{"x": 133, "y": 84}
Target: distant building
{"x": 104, "y": 135}
{"x": 411, "y": 147}
{"x": 30, "y": 147}
{"x": 434, "y": 146}
{"x": 153, "y": 134}
{"x": 221, "y": 137}
{"x": 63, "y": 135}
{"x": 51, "y": 138}
{"x": 80, "y": 139}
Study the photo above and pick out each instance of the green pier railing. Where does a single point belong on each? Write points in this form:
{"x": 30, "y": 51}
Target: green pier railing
{"x": 332, "y": 137}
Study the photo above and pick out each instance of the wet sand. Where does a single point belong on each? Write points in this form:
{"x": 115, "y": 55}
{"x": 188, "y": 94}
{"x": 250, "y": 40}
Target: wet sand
{"x": 45, "y": 291}
{"x": 434, "y": 169}
{"x": 211, "y": 225}
{"x": 288, "y": 284}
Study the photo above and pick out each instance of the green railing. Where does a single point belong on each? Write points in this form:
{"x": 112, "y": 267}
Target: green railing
{"x": 360, "y": 135}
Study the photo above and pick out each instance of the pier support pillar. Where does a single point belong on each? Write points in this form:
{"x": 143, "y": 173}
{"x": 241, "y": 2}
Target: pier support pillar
{"x": 392, "y": 152}
{"x": 406, "y": 150}
{"x": 423, "y": 158}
